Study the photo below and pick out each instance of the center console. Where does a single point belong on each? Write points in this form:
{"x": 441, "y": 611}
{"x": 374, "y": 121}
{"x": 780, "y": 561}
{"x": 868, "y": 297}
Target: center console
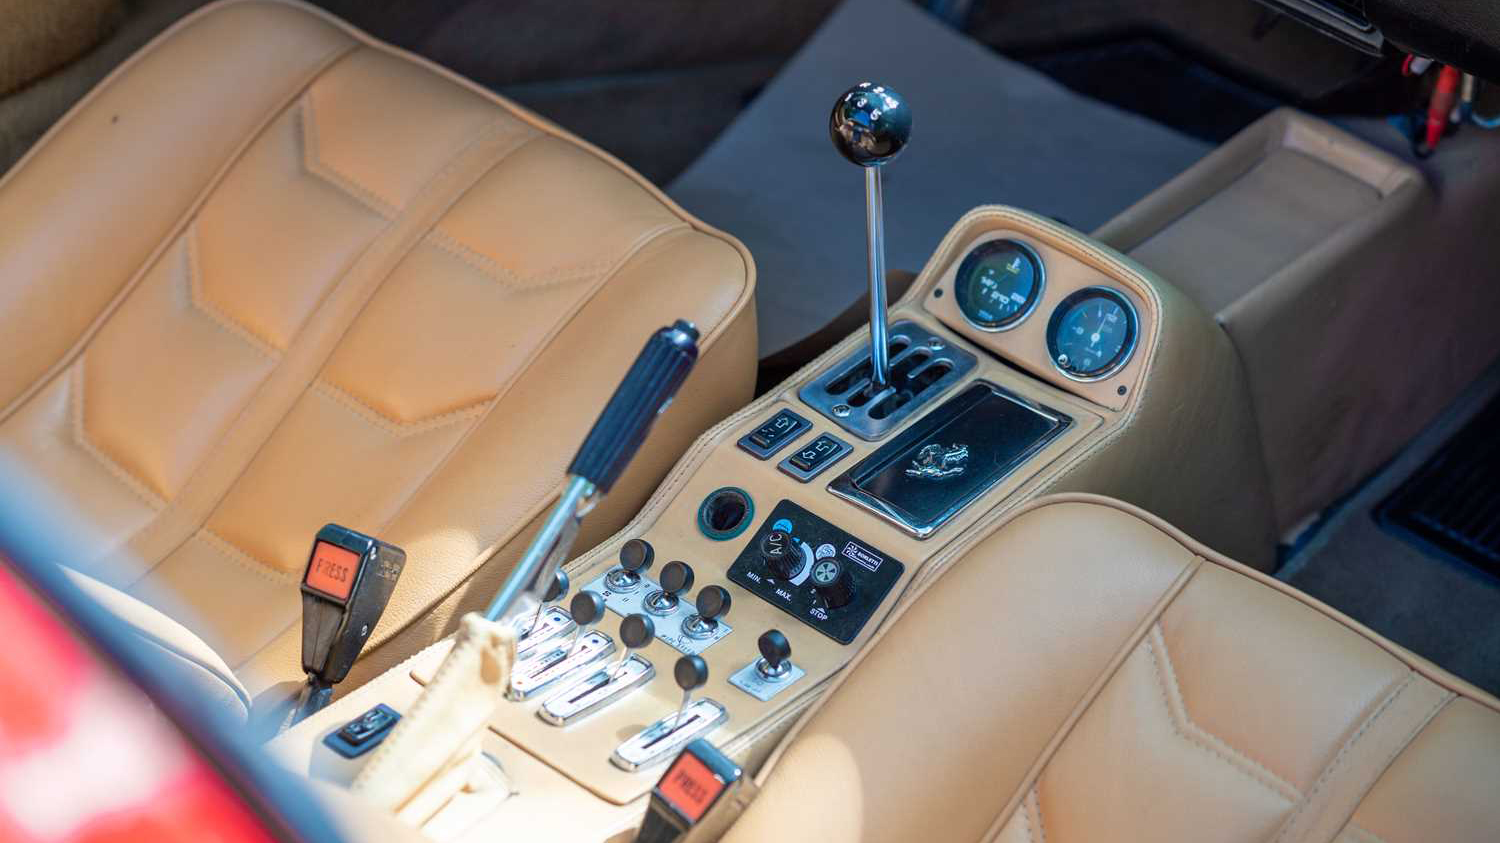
{"x": 1025, "y": 359}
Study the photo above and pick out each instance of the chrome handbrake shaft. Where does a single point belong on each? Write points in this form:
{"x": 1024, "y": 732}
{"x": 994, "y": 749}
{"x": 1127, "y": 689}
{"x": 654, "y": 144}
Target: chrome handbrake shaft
{"x": 647, "y": 390}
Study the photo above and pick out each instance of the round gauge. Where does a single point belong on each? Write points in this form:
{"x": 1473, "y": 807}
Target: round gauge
{"x": 999, "y": 284}
{"x": 1092, "y": 334}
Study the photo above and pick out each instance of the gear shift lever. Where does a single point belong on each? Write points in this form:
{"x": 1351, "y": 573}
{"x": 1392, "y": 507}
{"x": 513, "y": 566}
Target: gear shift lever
{"x": 870, "y": 126}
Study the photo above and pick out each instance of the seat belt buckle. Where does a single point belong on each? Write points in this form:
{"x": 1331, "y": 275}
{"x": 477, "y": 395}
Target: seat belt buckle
{"x": 345, "y": 588}
{"x": 696, "y": 793}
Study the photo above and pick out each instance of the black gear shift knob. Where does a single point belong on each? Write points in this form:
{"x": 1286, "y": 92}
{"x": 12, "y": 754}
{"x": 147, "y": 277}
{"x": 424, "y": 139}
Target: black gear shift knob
{"x": 870, "y": 124}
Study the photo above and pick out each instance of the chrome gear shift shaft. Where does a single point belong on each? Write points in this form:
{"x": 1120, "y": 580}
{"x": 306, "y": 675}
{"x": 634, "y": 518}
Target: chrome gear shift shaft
{"x": 870, "y": 126}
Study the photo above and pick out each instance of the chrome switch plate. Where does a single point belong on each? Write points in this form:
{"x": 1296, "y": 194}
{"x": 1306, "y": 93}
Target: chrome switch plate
{"x": 750, "y": 680}
{"x": 672, "y": 628}
{"x": 594, "y": 690}
{"x": 661, "y": 740}
{"x": 548, "y": 665}
{"x": 555, "y": 621}
{"x": 921, "y": 356}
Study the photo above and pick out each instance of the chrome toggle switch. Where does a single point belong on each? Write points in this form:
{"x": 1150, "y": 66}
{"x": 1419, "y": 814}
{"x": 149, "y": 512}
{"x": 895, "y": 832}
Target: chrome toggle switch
{"x": 676, "y": 578}
{"x": 770, "y": 674}
{"x": 636, "y": 557}
{"x": 661, "y": 740}
{"x": 712, "y": 603}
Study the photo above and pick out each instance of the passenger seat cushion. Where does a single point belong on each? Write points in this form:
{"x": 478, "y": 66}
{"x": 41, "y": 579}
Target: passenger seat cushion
{"x": 182, "y": 653}
{"x": 1110, "y": 679}
{"x": 273, "y": 274}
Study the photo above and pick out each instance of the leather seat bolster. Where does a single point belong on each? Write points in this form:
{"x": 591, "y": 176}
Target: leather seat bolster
{"x": 185, "y": 653}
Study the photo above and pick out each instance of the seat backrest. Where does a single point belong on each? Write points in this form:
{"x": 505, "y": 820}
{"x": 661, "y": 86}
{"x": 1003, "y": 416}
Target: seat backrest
{"x": 1085, "y": 672}
{"x": 271, "y": 274}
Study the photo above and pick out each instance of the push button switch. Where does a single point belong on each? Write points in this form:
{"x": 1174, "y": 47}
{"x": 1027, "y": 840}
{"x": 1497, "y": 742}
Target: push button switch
{"x": 810, "y": 460}
{"x": 776, "y": 433}
{"x": 364, "y": 732}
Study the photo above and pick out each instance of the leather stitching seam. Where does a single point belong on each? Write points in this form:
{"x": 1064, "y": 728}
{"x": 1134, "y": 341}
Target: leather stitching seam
{"x": 88, "y": 446}
{"x": 314, "y": 163}
{"x": 1183, "y": 725}
{"x": 229, "y": 550}
{"x": 393, "y": 426}
{"x": 198, "y": 297}
{"x": 495, "y": 271}
{"x": 1036, "y": 801}
{"x": 1338, "y": 760}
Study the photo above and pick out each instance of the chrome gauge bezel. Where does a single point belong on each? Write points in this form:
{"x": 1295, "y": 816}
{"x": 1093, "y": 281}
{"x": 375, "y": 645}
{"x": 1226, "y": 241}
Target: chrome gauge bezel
{"x": 1036, "y": 297}
{"x": 1126, "y": 353}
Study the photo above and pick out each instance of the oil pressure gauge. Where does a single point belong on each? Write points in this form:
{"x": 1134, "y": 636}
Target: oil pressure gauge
{"x": 1092, "y": 334}
{"x": 998, "y": 284}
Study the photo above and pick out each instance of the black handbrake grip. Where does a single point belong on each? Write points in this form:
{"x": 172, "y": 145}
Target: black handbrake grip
{"x": 647, "y": 389}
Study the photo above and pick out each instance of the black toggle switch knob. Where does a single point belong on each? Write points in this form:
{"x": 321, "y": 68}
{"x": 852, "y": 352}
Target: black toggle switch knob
{"x": 775, "y": 653}
{"x": 833, "y": 582}
{"x": 713, "y": 603}
{"x": 558, "y": 588}
{"x": 636, "y": 556}
{"x": 676, "y": 577}
{"x": 636, "y": 631}
{"x": 587, "y": 607}
{"x": 691, "y": 673}
{"x": 782, "y": 555}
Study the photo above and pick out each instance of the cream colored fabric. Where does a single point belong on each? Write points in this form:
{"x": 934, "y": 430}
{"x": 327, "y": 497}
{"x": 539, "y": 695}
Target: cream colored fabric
{"x": 428, "y": 756}
{"x": 271, "y": 274}
{"x": 1112, "y": 680}
{"x": 182, "y": 652}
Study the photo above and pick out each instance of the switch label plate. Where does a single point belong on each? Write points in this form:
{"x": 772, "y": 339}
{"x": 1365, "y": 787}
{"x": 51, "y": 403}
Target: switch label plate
{"x": 668, "y": 627}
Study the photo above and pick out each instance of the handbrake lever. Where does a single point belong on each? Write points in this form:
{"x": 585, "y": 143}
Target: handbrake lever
{"x": 646, "y": 391}
{"x": 424, "y": 760}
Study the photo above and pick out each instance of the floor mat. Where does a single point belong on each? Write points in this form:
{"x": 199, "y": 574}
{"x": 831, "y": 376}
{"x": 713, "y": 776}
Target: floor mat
{"x": 1427, "y": 602}
{"x": 1451, "y": 505}
{"x": 986, "y": 130}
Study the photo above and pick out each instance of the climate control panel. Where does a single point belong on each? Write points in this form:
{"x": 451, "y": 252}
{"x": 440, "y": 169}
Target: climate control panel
{"x": 824, "y": 577}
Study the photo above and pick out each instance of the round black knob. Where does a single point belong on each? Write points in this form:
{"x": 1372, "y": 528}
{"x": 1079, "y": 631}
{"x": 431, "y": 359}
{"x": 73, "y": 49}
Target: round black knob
{"x": 833, "y": 582}
{"x": 557, "y": 588}
{"x": 870, "y": 124}
{"x": 713, "y": 602}
{"x": 587, "y": 607}
{"x": 774, "y": 648}
{"x": 782, "y": 555}
{"x": 636, "y": 631}
{"x": 676, "y": 577}
{"x": 691, "y": 672}
{"x": 636, "y": 555}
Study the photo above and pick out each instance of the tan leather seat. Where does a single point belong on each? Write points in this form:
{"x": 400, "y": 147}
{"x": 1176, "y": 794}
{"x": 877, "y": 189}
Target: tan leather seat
{"x": 1087, "y": 673}
{"x": 271, "y": 274}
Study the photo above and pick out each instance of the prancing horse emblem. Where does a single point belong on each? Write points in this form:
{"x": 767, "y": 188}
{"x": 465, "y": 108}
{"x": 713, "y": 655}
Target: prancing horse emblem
{"x": 934, "y": 462}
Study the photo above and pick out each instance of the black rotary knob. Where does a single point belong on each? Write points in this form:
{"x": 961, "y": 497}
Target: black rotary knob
{"x": 833, "y": 582}
{"x": 691, "y": 673}
{"x": 587, "y": 607}
{"x": 781, "y": 553}
{"x": 870, "y": 124}
{"x": 636, "y": 631}
{"x": 775, "y": 652}
{"x": 636, "y": 555}
{"x": 713, "y": 602}
{"x": 676, "y": 577}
